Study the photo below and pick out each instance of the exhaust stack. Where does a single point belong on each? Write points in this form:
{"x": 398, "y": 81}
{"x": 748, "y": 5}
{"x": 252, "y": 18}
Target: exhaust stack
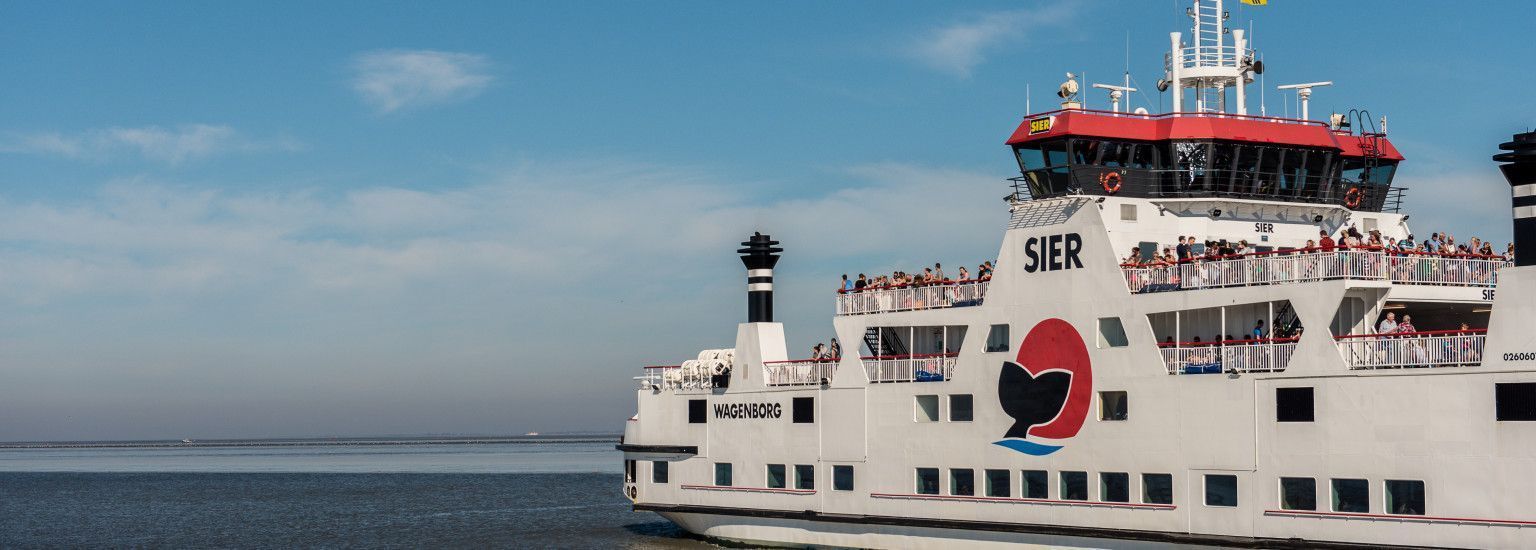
{"x": 759, "y": 253}
{"x": 1520, "y": 170}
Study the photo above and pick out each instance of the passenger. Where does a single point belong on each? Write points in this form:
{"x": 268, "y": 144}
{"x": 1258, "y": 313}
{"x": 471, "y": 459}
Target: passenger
{"x": 1258, "y": 330}
{"x": 1182, "y": 250}
{"x": 817, "y": 350}
{"x": 835, "y": 351}
{"x": 1406, "y": 327}
{"x": 1324, "y": 241}
{"x": 1134, "y": 259}
{"x": 1388, "y": 325}
{"x": 938, "y": 272}
{"x": 1169, "y": 340}
{"x": 964, "y": 276}
{"x": 861, "y": 283}
{"x": 847, "y": 284}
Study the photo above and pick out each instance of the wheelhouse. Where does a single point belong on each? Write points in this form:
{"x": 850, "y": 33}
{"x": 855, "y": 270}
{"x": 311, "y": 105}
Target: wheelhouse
{"x": 1195, "y": 155}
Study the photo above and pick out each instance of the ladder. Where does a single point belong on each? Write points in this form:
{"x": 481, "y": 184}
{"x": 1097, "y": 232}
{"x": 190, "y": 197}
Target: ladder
{"x": 883, "y": 343}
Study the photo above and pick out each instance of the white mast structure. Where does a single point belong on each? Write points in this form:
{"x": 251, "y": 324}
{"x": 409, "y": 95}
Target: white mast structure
{"x": 1210, "y": 65}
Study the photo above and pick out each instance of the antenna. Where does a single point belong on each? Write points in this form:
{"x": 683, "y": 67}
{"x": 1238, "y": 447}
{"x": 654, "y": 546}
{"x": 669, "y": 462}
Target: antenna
{"x": 1114, "y": 94}
{"x": 1304, "y": 93}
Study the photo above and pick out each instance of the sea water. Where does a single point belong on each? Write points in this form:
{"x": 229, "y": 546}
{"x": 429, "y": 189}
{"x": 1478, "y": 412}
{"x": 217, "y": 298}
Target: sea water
{"x": 512, "y": 494}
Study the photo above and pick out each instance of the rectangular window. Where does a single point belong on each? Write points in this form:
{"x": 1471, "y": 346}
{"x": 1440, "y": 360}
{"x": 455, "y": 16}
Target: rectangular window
{"x": 1035, "y": 484}
{"x": 960, "y": 408}
{"x": 1157, "y": 488}
{"x": 1515, "y": 402}
{"x": 1298, "y": 493}
{"x": 997, "y": 338}
{"x": 999, "y": 483}
{"x": 1112, "y": 333}
{"x": 776, "y": 476}
{"x": 842, "y": 478}
{"x": 697, "y": 411}
{"x": 1405, "y": 497}
{"x": 1127, "y": 212}
{"x": 927, "y": 481}
{"x": 1074, "y": 485}
{"x": 1113, "y": 405}
{"x": 803, "y": 410}
{"x": 805, "y": 477}
{"x": 1114, "y": 487}
{"x": 926, "y": 408}
{"x": 962, "y": 482}
{"x": 659, "y": 471}
{"x": 723, "y": 474}
{"x": 1351, "y": 495}
{"x": 1220, "y": 490}
{"x": 1293, "y": 404}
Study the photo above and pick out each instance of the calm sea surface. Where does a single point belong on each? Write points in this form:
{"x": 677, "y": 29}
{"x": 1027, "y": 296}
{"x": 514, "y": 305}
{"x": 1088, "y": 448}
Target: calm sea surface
{"x": 525, "y": 494}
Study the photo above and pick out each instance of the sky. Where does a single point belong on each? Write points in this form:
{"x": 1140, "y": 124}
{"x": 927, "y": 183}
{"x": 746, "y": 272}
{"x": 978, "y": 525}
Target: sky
{"x": 285, "y": 219}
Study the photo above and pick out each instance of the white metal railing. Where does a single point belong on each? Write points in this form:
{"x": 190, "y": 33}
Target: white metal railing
{"x": 1206, "y": 56}
{"x": 677, "y": 377}
{"x": 886, "y": 299}
{"x": 1418, "y": 349}
{"x": 909, "y": 368}
{"x": 1316, "y": 265}
{"x": 806, "y": 372}
{"x": 1234, "y": 356}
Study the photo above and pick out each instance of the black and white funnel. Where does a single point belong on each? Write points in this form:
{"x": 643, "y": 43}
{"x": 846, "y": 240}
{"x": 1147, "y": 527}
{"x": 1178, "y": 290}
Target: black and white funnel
{"x": 759, "y": 252}
{"x": 1520, "y": 170}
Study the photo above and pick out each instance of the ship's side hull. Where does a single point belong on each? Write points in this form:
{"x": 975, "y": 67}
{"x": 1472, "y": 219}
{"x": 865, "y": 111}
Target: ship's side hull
{"x": 796, "y": 529}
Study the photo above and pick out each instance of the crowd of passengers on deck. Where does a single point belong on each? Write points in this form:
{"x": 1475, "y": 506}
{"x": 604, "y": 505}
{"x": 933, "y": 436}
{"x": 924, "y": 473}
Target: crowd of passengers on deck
{"x": 928, "y": 277}
{"x": 1189, "y": 249}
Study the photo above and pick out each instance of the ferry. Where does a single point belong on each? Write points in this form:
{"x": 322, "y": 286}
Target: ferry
{"x": 1080, "y": 398}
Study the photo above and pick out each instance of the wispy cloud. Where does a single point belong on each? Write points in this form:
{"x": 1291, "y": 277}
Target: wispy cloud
{"x": 333, "y": 303}
{"x": 959, "y": 47}
{"x": 157, "y": 143}
{"x": 392, "y": 80}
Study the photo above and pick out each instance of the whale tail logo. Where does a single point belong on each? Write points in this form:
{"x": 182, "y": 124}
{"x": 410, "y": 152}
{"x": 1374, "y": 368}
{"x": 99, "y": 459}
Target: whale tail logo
{"x": 1047, "y": 390}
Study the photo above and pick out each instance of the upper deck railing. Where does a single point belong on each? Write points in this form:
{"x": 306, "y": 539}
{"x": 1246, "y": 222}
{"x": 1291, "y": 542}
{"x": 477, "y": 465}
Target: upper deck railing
{"x": 909, "y": 368}
{"x": 1447, "y": 348}
{"x": 911, "y": 297}
{"x": 800, "y": 372}
{"x": 1263, "y": 355}
{"x": 678, "y": 377}
{"x": 1314, "y": 264}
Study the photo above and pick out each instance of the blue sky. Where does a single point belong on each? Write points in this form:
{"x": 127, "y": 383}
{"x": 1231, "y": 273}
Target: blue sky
{"x": 289, "y": 219}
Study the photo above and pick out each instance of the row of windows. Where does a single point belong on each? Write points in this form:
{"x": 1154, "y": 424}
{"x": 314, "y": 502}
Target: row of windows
{"x": 1113, "y": 406}
{"x": 777, "y": 475}
{"x": 1035, "y": 484}
{"x": 1404, "y": 497}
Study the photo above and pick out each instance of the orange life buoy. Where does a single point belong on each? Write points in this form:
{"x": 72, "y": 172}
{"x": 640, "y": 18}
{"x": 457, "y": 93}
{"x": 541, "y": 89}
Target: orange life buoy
{"x": 1352, "y": 197}
{"x": 1111, "y": 182}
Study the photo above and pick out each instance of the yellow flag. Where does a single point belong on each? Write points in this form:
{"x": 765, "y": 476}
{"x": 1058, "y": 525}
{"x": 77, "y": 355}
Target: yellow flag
{"x": 1256, "y": 2}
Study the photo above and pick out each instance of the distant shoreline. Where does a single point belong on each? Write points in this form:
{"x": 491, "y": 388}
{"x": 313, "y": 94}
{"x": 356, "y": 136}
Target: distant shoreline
{"x": 315, "y": 442}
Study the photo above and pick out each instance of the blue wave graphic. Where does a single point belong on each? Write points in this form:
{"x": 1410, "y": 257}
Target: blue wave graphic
{"x": 1028, "y": 447}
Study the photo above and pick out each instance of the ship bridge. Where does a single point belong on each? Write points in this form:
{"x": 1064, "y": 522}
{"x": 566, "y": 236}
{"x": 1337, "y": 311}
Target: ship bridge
{"x": 1203, "y": 155}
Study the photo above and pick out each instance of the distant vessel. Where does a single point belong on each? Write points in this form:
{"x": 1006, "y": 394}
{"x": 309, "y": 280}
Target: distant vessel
{"x": 186, "y": 441}
{"x": 531, "y": 433}
{"x": 1068, "y": 401}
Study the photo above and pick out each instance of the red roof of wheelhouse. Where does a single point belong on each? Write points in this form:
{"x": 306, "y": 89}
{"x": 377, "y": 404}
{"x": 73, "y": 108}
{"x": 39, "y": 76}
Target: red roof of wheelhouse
{"x": 1196, "y": 126}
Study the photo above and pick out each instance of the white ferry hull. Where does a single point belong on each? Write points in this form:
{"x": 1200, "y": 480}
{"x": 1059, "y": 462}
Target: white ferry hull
{"x": 864, "y": 533}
